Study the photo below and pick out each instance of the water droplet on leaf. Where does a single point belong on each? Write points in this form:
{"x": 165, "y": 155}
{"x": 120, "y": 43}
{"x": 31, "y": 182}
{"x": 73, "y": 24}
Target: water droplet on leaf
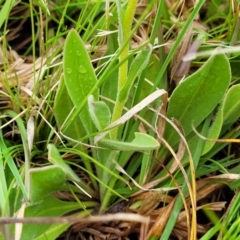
{"x": 79, "y": 53}
{"x": 82, "y": 69}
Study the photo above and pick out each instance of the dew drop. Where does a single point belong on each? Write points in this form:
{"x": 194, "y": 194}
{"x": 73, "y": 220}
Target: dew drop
{"x": 82, "y": 69}
{"x": 69, "y": 70}
{"x": 79, "y": 53}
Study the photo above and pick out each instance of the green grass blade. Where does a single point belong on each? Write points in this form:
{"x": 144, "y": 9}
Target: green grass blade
{"x": 24, "y": 138}
{"x": 5, "y": 10}
{"x": 12, "y": 166}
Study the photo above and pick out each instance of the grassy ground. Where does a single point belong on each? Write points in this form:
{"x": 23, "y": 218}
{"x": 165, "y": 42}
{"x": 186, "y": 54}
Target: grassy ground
{"x": 119, "y": 119}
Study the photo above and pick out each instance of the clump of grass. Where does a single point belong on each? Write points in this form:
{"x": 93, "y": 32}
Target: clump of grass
{"x": 125, "y": 110}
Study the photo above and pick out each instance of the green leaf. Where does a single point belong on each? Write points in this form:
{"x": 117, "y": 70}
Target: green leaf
{"x": 110, "y": 85}
{"x": 151, "y": 74}
{"x": 197, "y": 96}
{"x": 45, "y": 180}
{"x": 137, "y": 66}
{"x": 23, "y": 134}
{"x": 5, "y": 11}
{"x": 106, "y": 157}
{"x": 56, "y": 229}
{"x": 47, "y": 207}
{"x": 79, "y": 75}
{"x": 231, "y": 110}
{"x": 214, "y": 131}
{"x": 99, "y": 112}
{"x": 63, "y": 106}
{"x": 228, "y": 114}
{"x": 141, "y": 142}
{"x": 55, "y": 158}
{"x": 53, "y": 231}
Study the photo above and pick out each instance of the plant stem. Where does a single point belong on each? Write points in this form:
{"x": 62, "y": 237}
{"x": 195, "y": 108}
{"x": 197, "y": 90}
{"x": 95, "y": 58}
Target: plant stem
{"x": 125, "y": 23}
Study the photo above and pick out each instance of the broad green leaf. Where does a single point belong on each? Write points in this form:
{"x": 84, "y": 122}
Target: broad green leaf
{"x": 99, "y": 112}
{"x": 214, "y": 131}
{"x": 62, "y": 108}
{"x": 197, "y": 96}
{"x": 47, "y": 207}
{"x": 45, "y": 180}
{"x": 79, "y": 75}
{"x": 141, "y": 142}
{"x": 56, "y": 229}
{"x": 234, "y": 63}
{"x": 55, "y": 158}
{"x": 228, "y": 113}
{"x": 231, "y": 110}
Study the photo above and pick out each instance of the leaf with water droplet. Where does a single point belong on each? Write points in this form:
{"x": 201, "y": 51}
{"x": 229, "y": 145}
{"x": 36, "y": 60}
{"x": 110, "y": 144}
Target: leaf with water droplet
{"x": 82, "y": 69}
{"x": 63, "y": 101}
{"x": 78, "y": 85}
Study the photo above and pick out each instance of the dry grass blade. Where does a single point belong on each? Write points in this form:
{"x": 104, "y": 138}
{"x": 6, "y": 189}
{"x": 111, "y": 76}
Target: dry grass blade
{"x": 17, "y": 72}
{"x": 226, "y": 140}
{"x": 92, "y": 219}
{"x": 161, "y": 121}
{"x": 175, "y": 75}
{"x": 147, "y": 207}
{"x": 19, "y": 226}
{"x": 161, "y": 221}
{"x": 145, "y": 102}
